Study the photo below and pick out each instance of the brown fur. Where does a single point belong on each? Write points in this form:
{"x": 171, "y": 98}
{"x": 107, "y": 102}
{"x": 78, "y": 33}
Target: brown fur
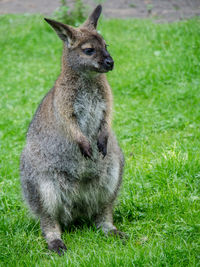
{"x": 72, "y": 165}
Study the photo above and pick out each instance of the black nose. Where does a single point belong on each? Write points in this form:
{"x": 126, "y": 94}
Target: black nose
{"x": 109, "y": 63}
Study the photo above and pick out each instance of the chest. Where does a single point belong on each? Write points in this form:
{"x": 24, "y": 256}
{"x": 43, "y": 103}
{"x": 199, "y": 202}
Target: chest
{"x": 89, "y": 108}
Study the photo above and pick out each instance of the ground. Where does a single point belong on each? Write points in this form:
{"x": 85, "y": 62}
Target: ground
{"x": 160, "y": 10}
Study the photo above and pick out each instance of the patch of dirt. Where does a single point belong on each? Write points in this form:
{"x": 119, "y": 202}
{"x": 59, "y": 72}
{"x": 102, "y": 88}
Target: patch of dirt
{"x": 160, "y": 10}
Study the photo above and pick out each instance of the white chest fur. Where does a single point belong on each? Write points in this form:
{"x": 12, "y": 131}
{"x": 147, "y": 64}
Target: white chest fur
{"x": 89, "y": 108}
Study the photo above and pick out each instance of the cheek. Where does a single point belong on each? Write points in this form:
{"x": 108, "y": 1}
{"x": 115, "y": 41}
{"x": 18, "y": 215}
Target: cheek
{"x": 99, "y": 58}
{"x": 91, "y": 62}
{"x": 73, "y": 60}
{"x": 95, "y": 64}
{"x": 83, "y": 62}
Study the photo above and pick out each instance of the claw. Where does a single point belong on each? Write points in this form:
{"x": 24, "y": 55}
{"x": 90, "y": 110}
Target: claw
{"x": 102, "y": 144}
{"x": 86, "y": 150}
{"x": 118, "y": 233}
{"x": 57, "y": 246}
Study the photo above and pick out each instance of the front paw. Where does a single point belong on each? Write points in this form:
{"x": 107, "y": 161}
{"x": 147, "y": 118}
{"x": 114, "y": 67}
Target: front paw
{"x": 102, "y": 143}
{"x": 86, "y": 149}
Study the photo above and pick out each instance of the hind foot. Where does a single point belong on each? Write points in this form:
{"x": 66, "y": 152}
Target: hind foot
{"x": 57, "y": 246}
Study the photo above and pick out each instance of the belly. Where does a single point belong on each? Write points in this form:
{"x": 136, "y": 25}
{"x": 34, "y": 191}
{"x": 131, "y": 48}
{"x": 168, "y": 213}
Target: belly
{"x": 86, "y": 197}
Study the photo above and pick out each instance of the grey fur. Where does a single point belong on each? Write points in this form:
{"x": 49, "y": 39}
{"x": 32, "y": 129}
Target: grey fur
{"x": 59, "y": 184}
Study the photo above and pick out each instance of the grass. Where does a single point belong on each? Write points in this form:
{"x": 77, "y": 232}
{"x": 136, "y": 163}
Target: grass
{"x": 156, "y": 87}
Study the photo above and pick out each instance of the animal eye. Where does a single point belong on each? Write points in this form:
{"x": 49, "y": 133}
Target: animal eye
{"x": 89, "y": 51}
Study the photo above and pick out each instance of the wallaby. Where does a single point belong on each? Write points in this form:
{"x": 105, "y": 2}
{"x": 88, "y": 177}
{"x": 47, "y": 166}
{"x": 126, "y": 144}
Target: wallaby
{"x": 71, "y": 166}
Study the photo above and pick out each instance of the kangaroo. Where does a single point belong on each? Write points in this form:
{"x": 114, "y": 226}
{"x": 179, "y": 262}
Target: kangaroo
{"x": 71, "y": 166}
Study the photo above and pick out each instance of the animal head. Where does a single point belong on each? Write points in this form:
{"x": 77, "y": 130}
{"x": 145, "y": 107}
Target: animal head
{"x": 86, "y": 48}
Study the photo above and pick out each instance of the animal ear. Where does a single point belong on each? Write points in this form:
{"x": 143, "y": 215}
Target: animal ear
{"x": 91, "y": 22}
{"x": 65, "y": 32}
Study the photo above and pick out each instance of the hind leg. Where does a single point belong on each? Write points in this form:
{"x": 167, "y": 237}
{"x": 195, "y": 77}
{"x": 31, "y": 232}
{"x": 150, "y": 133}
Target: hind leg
{"x": 44, "y": 200}
{"x": 52, "y": 232}
{"x": 51, "y": 202}
{"x": 104, "y": 220}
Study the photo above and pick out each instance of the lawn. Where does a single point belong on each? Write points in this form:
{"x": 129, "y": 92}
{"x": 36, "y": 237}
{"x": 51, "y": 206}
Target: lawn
{"x": 156, "y": 87}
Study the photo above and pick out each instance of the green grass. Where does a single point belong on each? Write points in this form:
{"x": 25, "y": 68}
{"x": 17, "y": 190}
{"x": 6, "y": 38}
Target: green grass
{"x": 156, "y": 87}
